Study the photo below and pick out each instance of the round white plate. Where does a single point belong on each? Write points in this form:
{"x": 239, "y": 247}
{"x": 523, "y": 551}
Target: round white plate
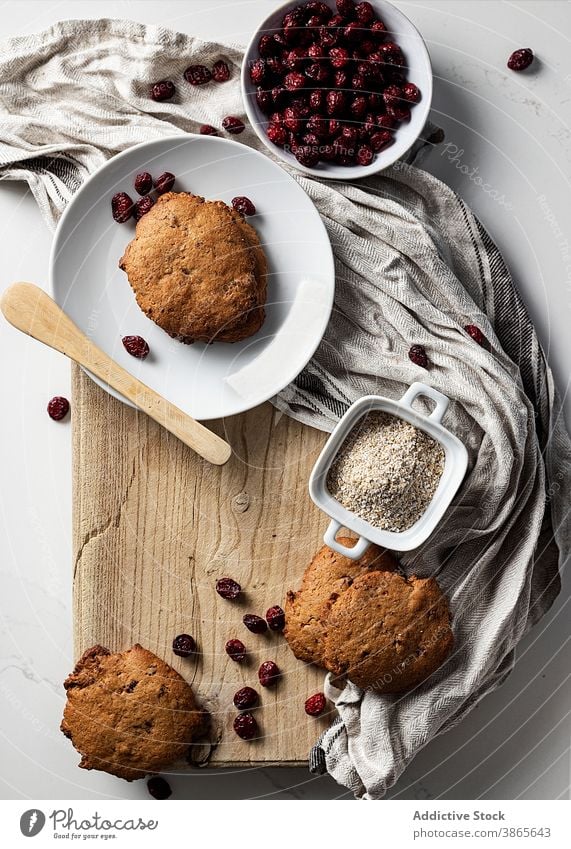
{"x": 206, "y": 381}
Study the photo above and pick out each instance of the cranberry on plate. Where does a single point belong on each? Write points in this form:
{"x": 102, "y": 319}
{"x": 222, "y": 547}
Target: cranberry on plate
{"x": 136, "y": 346}
{"x": 243, "y": 205}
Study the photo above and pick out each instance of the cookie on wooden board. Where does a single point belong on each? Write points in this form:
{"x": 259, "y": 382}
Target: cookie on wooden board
{"x": 387, "y": 632}
{"x": 129, "y": 713}
{"x": 197, "y": 270}
{"x": 328, "y": 575}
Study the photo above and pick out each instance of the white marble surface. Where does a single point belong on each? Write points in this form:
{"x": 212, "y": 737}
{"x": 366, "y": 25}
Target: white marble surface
{"x": 515, "y": 130}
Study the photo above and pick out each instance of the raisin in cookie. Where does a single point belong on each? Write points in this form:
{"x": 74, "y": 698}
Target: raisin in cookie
{"x": 197, "y": 270}
{"x": 129, "y": 713}
{"x": 328, "y": 576}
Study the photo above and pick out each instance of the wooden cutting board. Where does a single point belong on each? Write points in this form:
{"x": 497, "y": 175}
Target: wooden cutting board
{"x": 154, "y": 526}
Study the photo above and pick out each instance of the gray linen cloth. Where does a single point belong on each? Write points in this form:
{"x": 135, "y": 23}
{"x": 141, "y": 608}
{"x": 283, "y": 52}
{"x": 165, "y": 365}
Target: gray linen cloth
{"x": 413, "y": 266}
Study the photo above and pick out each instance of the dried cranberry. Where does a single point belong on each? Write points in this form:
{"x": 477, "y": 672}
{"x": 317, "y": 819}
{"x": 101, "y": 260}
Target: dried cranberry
{"x": 364, "y": 155}
{"x": 164, "y": 183}
{"x": 292, "y": 119}
{"x": 365, "y": 70}
{"x": 236, "y": 650}
{"x": 275, "y": 65}
{"x": 246, "y": 698}
{"x": 265, "y": 100}
{"x": 411, "y": 92}
{"x": 318, "y": 7}
{"x": 292, "y": 24}
{"x": 258, "y": 72}
{"x": 208, "y": 130}
{"x": 245, "y": 726}
{"x": 352, "y": 32}
{"x": 267, "y": 46}
{"x": 380, "y": 140}
{"x": 277, "y": 134}
{"x": 268, "y": 673}
{"x": 346, "y": 7}
{"x": 340, "y": 79}
{"x": 275, "y": 617}
{"x": 143, "y": 183}
{"x": 350, "y": 135}
{"x": 315, "y": 51}
{"x": 520, "y": 59}
{"x": 159, "y": 788}
{"x": 387, "y": 122}
{"x": 314, "y": 21}
{"x": 358, "y": 106}
{"x": 220, "y": 71}
{"x": 339, "y": 57}
{"x": 184, "y": 645}
{"x": 122, "y": 207}
{"x": 359, "y": 82}
{"x": 315, "y": 705}
{"x": 243, "y": 205}
{"x": 375, "y": 102}
{"x": 316, "y": 100}
{"x": 392, "y": 94}
{"x": 366, "y": 47}
{"x": 476, "y": 334}
{"x": 388, "y": 48}
{"x": 334, "y": 127}
{"x": 378, "y": 29}
{"x": 294, "y": 81}
{"x": 58, "y": 408}
{"x": 296, "y": 59}
{"x": 311, "y": 140}
{"x": 233, "y": 125}
{"x": 418, "y": 356}
{"x": 197, "y": 75}
{"x": 143, "y": 206}
{"x": 335, "y": 102}
{"x": 317, "y": 73}
{"x": 254, "y": 623}
{"x": 307, "y": 156}
{"x": 328, "y": 36}
{"x": 279, "y": 96}
{"x": 365, "y": 13}
{"x": 318, "y": 126}
{"x": 228, "y": 588}
{"x": 343, "y": 151}
{"x": 398, "y": 111}
{"x": 136, "y": 346}
{"x": 163, "y": 90}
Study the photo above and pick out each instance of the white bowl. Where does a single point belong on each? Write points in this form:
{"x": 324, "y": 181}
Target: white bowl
{"x": 420, "y": 72}
{"x": 206, "y": 381}
{"x": 455, "y": 464}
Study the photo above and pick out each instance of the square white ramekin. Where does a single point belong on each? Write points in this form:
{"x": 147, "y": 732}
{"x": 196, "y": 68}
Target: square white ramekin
{"x": 455, "y": 464}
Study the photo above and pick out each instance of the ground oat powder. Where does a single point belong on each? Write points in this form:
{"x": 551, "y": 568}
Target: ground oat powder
{"x": 386, "y": 471}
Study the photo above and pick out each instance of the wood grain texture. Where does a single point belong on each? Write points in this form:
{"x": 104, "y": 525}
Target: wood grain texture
{"x": 155, "y": 526}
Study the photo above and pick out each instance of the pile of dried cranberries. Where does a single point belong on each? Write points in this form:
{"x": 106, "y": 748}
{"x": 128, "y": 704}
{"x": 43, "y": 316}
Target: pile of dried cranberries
{"x": 333, "y": 86}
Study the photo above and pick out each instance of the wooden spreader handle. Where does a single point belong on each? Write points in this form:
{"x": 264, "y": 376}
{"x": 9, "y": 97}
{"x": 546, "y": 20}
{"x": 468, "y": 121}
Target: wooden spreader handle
{"x": 32, "y": 311}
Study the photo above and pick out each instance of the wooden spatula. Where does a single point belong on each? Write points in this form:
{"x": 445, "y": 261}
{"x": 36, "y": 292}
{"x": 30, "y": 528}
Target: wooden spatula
{"x": 29, "y": 309}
